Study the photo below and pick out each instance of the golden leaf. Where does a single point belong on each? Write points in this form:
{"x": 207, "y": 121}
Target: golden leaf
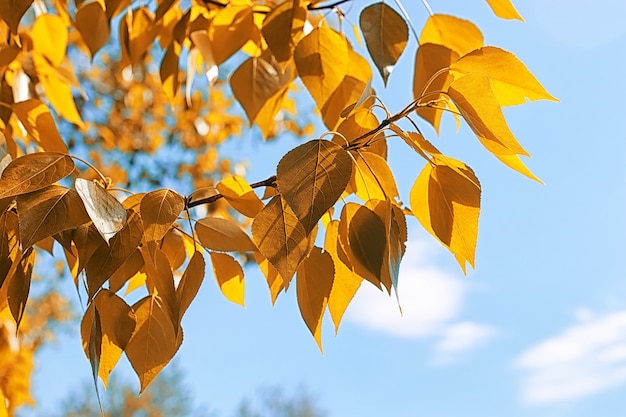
{"x": 313, "y": 286}
{"x": 9, "y": 244}
{"x": 154, "y": 341}
{"x": 283, "y": 28}
{"x": 129, "y": 269}
{"x": 322, "y": 61}
{"x": 240, "y": 195}
{"x": 33, "y": 172}
{"x": 159, "y": 210}
{"x": 458, "y": 35}
{"x": 229, "y": 30}
{"x": 46, "y": 212}
{"x": 93, "y": 25}
{"x": 11, "y": 11}
{"x": 386, "y": 35}
{"x": 510, "y": 80}
{"x": 229, "y": 276}
{"x": 280, "y": 237}
{"x": 160, "y": 280}
{"x": 49, "y": 34}
{"x": 312, "y": 177}
{"x": 141, "y": 32}
{"x": 18, "y": 285}
{"x": 372, "y": 178}
{"x": 173, "y": 245}
{"x": 202, "y": 42}
{"x": 107, "y": 214}
{"x": 169, "y": 70}
{"x": 273, "y": 278}
{"x": 190, "y": 283}
{"x": 223, "y": 235}
{"x": 504, "y": 9}
{"x": 38, "y": 121}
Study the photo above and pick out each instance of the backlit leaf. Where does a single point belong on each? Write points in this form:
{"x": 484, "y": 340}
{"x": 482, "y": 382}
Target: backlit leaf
{"x": 11, "y": 11}
{"x": 313, "y": 286}
{"x": 18, "y": 286}
{"x": 504, "y": 9}
{"x": 283, "y": 28}
{"x": 459, "y": 35}
{"x": 280, "y": 237}
{"x": 46, "y": 212}
{"x": 240, "y": 195}
{"x": 229, "y": 275}
{"x": 106, "y": 212}
{"x": 93, "y": 25}
{"x": 33, "y": 172}
{"x": 274, "y": 280}
{"x": 229, "y": 30}
{"x": 38, "y": 121}
{"x": 190, "y": 282}
{"x": 169, "y": 69}
{"x": 154, "y": 341}
{"x": 202, "y": 42}
{"x": 223, "y": 235}
{"x": 346, "y": 282}
{"x": 128, "y": 270}
{"x": 160, "y": 280}
{"x": 312, "y": 177}
{"x": 9, "y": 243}
{"x": 159, "y": 210}
{"x": 141, "y": 32}
{"x": 117, "y": 322}
{"x": 322, "y": 61}
{"x": 373, "y": 178}
{"x": 386, "y": 35}
{"x": 510, "y": 80}
{"x": 50, "y": 36}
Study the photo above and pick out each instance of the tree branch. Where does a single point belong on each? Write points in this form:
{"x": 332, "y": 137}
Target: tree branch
{"x": 269, "y": 182}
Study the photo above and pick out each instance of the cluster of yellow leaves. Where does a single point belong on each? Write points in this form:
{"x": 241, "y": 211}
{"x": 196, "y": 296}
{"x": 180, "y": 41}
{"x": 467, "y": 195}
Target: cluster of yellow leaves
{"x": 153, "y": 244}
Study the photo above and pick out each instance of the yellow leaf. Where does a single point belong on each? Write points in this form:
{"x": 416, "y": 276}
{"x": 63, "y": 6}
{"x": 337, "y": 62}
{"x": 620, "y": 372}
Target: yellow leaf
{"x": 190, "y": 283}
{"x": 38, "y": 121}
{"x": 202, "y": 42}
{"x": 160, "y": 281}
{"x": 480, "y": 108}
{"x": 141, "y": 31}
{"x": 446, "y": 201}
{"x": 18, "y": 286}
{"x": 273, "y": 278}
{"x": 11, "y": 11}
{"x": 280, "y": 237}
{"x": 312, "y": 177}
{"x": 504, "y": 9}
{"x": 154, "y": 341}
{"x": 93, "y": 25}
{"x": 314, "y": 284}
{"x": 373, "y": 178}
{"x": 322, "y": 61}
{"x": 283, "y": 28}
{"x": 106, "y": 212}
{"x": 168, "y": 71}
{"x": 459, "y": 35}
{"x": 229, "y": 275}
{"x": 510, "y": 80}
{"x": 173, "y": 245}
{"x": 159, "y": 210}
{"x": 386, "y": 35}
{"x": 229, "y": 30}
{"x": 136, "y": 281}
{"x": 431, "y": 79}
{"x": 9, "y": 244}
{"x": 49, "y": 35}
{"x": 33, "y": 172}
{"x": 346, "y": 282}
{"x": 223, "y": 235}
{"x": 240, "y": 195}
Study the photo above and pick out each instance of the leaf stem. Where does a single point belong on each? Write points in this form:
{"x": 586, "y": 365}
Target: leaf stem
{"x": 269, "y": 182}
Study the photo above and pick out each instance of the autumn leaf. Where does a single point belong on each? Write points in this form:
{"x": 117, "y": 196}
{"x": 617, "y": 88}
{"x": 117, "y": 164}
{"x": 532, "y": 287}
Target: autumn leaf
{"x": 93, "y": 25}
{"x": 49, "y": 34}
{"x": 159, "y": 210}
{"x": 223, "y": 235}
{"x": 229, "y": 30}
{"x": 504, "y": 9}
{"x": 313, "y": 285}
{"x": 240, "y": 195}
{"x": 107, "y": 214}
{"x": 458, "y": 35}
{"x": 274, "y": 280}
{"x": 38, "y": 121}
{"x": 11, "y": 11}
{"x": 283, "y": 28}
{"x": 386, "y": 35}
{"x": 9, "y": 243}
{"x": 229, "y": 276}
{"x": 312, "y": 177}
{"x": 18, "y": 286}
{"x": 160, "y": 281}
{"x": 33, "y": 172}
{"x": 169, "y": 70}
{"x": 372, "y": 178}
{"x": 190, "y": 282}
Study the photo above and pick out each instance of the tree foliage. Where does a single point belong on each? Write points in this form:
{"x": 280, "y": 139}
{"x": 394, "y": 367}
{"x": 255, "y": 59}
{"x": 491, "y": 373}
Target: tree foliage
{"x": 331, "y": 216}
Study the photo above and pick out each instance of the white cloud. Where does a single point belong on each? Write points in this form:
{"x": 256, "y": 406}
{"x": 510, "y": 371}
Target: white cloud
{"x": 585, "y": 358}
{"x": 431, "y": 300}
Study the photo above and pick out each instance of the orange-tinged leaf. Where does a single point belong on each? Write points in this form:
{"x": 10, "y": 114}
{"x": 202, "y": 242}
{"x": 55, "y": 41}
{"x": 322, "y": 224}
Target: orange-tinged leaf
{"x": 106, "y": 212}
{"x": 240, "y": 195}
{"x": 510, "y": 80}
{"x": 366, "y": 237}
{"x": 373, "y": 178}
{"x": 117, "y": 322}
{"x": 314, "y": 283}
{"x": 159, "y": 210}
{"x": 169, "y": 70}
{"x": 431, "y": 78}
{"x": 504, "y": 9}
{"x": 93, "y": 25}
{"x": 459, "y": 35}
{"x": 312, "y": 177}
{"x": 154, "y": 341}
{"x": 260, "y": 85}
{"x": 9, "y": 244}
{"x": 128, "y": 270}
{"x": 229, "y": 30}
{"x": 283, "y": 28}
{"x": 33, "y": 172}
{"x": 346, "y": 283}
{"x": 229, "y": 275}
{"x": 223, "y": 235}
{"x": 273, "y": 278}
{"x": 141, "y": 32}
{"x": 160, "y": 280}
{"x": 280, "y": 237}
{"x": 202, "y": 42}
{"x": 386, "y": 35}
{"x": 38, "y": 121}
{"x": 18, "y": 286}
{"x": 474, "y": 97}
{"x": 46, "y": 212}
{"x": 50, "y": 36}
{"x": 322, "y": 61}
{"x": 11, "y": 11}
{"x": 446, "y": 201}
{"x": 190, "y": 282}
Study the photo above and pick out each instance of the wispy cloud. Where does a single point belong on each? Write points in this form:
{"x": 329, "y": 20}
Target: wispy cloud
{"x": 431, "y": 300}
{"x": 585, "y": 358}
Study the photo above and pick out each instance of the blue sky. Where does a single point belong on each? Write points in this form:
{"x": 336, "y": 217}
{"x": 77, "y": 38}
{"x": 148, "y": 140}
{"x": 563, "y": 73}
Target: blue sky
{"x": 537, "y": 329}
